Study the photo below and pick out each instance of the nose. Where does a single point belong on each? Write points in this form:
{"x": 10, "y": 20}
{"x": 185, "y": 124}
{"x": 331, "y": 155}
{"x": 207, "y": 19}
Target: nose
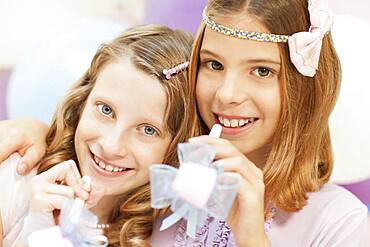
{"x": 230, "y": 92}
{"x": 114, "y": 144}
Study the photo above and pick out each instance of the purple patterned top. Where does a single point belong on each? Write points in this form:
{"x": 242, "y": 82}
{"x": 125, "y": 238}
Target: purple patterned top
{"x": 222, "y": 238}
{"x": 332, "y": 217}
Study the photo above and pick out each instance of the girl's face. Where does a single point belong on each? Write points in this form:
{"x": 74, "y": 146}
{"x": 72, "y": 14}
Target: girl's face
{"x": 238, "y": 87}
{"x": 122, "y": 130}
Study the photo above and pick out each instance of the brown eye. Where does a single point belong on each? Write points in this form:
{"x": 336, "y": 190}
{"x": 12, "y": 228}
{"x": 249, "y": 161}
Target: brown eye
{"x": 262, "y": 72}
{"x": 214, "y": 65}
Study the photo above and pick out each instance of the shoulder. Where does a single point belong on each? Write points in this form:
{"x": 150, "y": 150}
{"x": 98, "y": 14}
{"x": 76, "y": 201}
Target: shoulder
{"x": 342, "y": 220}
{"x": 333, "y": 216}
{"x": 331, "y": 201}
{"x": 334, "y": 200}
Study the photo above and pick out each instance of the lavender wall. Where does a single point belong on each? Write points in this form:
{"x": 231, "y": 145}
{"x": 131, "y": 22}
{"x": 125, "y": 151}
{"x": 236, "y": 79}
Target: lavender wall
{"x": 184, "y": 14}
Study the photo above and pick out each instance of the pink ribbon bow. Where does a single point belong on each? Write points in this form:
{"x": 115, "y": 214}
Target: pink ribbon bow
{"x": 305, "y": 47}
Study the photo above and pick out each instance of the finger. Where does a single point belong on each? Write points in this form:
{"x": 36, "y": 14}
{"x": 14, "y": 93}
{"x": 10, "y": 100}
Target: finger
{"x": 55, "y": 201}
{"x": 59, "y": 189}
{"x": 229, "y": 156}
{"x": 46, "y": 202}
{"x": 252, "y": 186}
{"x": 65, "y": 171}
{"x": 84, "y": 186}
{"x": 243, "y": 167}
{"x": 81, "y": 193}
{"x": 12, "y": 143}
{"x": 31, "y": 157}
{"x": 224, "y": 149}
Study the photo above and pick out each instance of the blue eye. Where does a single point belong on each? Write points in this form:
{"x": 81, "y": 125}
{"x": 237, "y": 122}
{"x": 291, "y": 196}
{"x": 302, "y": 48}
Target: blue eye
{"x": 105, "y": 109}
{"x": 262, "y": 72}
{"x": 150, "y": 131}
{"x": 214, "y": 65}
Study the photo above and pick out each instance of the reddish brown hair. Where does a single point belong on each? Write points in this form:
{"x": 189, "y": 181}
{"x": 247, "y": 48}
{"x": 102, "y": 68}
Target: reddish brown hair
{"x": 301, "y": 157}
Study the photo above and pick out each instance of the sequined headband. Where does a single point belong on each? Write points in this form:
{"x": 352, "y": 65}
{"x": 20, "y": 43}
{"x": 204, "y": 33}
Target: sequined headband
{"x": 168, "y": 73}
{"x": 304, "y": 47}
{"x": 237, "y": 33}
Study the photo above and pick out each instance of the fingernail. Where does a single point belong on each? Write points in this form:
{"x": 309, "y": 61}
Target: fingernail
{"x": 22, "y": 168}
{"x": 82, "y": 194}
{"x": 86, "y": 180}
{"x": 86, "y": 187}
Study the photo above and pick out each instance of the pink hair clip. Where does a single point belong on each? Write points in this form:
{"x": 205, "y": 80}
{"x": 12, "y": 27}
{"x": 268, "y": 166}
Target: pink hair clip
{"x": 168, "y": 73}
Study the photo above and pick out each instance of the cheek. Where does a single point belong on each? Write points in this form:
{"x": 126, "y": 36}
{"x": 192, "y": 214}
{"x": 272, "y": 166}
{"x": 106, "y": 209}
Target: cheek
{"x": 204, "y": 91}
{"x": 87, "y": 128}
{"x": 276, "y": 98}
{"x": 272, "y": 105}
{"x": 155, "y": 152}
{"x": 80, "y": 135}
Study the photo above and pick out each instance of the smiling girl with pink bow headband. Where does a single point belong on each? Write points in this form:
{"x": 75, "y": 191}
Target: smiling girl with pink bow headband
{"x": 267, "y": 71}
{"x": 304, "y": 46}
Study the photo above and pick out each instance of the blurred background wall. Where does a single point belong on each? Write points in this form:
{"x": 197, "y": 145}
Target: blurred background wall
{"x": 46, "y": 45}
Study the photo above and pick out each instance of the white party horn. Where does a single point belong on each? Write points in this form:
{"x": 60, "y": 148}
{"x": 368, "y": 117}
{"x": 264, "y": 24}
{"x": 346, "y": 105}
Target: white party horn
{"x": 216, "y": 131}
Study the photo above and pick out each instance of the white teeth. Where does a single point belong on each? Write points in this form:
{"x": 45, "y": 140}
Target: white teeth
{"x": 102, "y": 164}
{"x": 241, "y": 122}
{"x": 226, "y": 122}
{"x": 234, "y": 123}
{"x": 106, "y": 167}
{"x": 96, "y": 159}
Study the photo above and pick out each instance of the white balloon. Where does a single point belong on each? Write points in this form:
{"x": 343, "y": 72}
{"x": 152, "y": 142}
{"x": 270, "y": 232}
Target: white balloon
{"x": 47, "y": 71}
{"x": 350, "y": 121}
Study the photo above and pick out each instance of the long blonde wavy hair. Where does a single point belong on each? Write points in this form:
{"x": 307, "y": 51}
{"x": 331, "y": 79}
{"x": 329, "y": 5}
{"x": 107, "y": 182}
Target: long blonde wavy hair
{"x": 150, "y": 48}
{"x": 301, "y": 158}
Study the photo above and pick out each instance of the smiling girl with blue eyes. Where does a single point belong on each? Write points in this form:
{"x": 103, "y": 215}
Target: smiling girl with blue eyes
{"x": 123, "y": 115}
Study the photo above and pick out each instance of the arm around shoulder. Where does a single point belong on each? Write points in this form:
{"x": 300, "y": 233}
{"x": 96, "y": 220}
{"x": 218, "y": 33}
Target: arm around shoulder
{"x": 25, "y": 136}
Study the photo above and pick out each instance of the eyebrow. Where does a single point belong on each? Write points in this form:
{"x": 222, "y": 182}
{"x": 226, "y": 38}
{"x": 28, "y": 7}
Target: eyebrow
{"x": 208, "y": 52}
{"x": 263, "y": 61}
{"x": 271, "y": 61}
{"x": 160, "y": 125}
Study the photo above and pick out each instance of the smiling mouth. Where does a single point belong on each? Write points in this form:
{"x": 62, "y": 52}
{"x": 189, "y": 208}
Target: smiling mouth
{"x": 107, "y": 169}
{"x": 235, "y": 122}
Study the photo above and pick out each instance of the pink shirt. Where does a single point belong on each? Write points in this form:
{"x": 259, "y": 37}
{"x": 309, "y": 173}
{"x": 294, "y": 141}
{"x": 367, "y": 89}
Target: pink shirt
{"x": 332, "y": 217}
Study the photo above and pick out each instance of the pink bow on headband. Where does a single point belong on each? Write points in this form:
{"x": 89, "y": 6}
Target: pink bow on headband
{"x": 305, "y": 47}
